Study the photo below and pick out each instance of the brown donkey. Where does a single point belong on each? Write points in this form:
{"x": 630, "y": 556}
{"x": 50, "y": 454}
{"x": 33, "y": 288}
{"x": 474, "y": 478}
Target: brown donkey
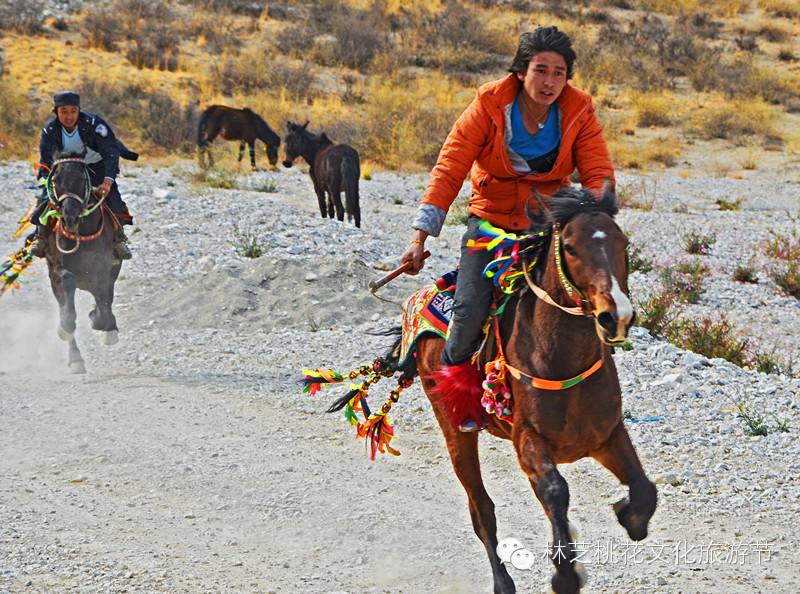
{"x": 547, "y": 428}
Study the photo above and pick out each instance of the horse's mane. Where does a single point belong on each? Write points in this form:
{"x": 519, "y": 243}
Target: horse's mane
{"x": 562, "y": 207}
{"x": 69, "y": 154}
{"x": 267, "y": 134}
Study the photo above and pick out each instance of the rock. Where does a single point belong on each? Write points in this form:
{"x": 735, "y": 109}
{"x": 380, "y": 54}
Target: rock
{"x": 668, "y": 380}
{"x": 165, "y": 194}
{"x": 206, "y": 264}
{"x": 375, "y": 317}
{"x": 310, "y": 277}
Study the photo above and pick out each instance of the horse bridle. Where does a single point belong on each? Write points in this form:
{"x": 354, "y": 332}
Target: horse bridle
{"x": 52, "y": 192}
{"x": 56, "y": 200}
{"x": 583, "y": 305}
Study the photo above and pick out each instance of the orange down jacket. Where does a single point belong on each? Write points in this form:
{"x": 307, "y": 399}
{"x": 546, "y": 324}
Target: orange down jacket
{"x": 499, "y": 192}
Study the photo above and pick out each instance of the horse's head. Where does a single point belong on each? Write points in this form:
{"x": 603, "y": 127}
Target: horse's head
{"x": 295, "y": 142}
{"x": 591, "y": 250}
{"x": 71, "y": 187}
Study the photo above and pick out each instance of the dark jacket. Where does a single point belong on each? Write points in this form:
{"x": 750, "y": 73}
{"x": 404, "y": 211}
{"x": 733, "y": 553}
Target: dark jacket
{"x": 95, "y": 134}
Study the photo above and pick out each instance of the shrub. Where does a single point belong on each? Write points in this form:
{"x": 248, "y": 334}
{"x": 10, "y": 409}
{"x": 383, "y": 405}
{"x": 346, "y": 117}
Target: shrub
{"x": 695, "y": 243}
{"x": 657, "y": 313}
{"x": 636, "y": 261}
{"x": 636, "y": 195}
{"x": 686, "y": 280}
{"x": 781, "y": 8}
{"x": 246, "y": 245}
{"x": 745, "y": 273}
{"x": 22, "y": 16}
{"x": 219, "y": 178}
{"x": 738, "y": 120}
{"x": 787, "y": 277}
{"x": 729, "y": 204}
{"x": 711, "y": 338}
{"x": 17, "y": 118}
{"x": 168, "y": 124}
{"x": 783, "y": 247}
{"x": 653, "y": 109}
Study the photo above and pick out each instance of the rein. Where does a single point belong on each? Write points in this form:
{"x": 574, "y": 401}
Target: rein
{"x": 56, "y": 201}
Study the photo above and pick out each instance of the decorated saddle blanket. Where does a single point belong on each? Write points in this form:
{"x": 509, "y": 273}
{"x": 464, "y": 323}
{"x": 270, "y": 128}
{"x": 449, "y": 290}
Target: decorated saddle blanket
{"x": 428, "y": 311}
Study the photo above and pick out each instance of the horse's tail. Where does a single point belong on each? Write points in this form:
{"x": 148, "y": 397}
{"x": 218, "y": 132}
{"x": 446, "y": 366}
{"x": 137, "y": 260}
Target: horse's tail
{"x": 201, "y": 128}
{"x": 351, "y": 171}
{"x": 375, "y": 426}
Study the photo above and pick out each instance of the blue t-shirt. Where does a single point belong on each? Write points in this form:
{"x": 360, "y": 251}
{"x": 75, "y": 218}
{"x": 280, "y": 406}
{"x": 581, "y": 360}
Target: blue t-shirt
{"x": 531, "y": 147}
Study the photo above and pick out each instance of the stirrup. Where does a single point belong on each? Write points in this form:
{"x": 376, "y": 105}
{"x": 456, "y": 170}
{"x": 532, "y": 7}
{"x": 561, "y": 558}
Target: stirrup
{"x": 121, "y": 249}
{"x": 473, "y": 426}
{"x": 38, "y": 247}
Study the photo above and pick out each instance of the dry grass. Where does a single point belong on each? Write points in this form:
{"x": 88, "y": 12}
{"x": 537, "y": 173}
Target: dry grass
{"x": 654, "y": 109}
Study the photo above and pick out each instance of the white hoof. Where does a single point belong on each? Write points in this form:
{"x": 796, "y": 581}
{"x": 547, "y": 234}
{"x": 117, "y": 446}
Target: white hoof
{"x": 64, "y": 335}
{"x": 77, "y": 367}
{"x": 110, "y": 337}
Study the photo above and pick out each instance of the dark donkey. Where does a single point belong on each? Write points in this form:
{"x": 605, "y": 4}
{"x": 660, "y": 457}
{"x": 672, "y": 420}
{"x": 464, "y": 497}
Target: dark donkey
{"x": 243, "y": 125}
{"x": 334, "y": 167}
{"x": 80, "y": 253}
{"x": 565, "y": 335}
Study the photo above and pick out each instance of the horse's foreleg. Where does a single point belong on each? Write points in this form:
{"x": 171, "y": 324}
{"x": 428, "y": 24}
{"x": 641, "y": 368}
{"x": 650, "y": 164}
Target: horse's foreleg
{"x": 66, "y": 328}
{"x": 102, "y": 316}
{"x": 553, "y": 493}
{"x": 76, "y": 364}
{"x": 241, "y": 155}
{"x": 463, "y": 449}
{"x": 253, "y": 155}
{"x": 619, "y": 456}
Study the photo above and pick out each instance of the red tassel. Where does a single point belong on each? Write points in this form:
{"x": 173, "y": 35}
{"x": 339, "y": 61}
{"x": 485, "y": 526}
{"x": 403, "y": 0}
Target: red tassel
{"x": 459, "y": 388}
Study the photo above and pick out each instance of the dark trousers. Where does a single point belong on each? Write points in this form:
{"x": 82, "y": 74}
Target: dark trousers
{"x": 97, "y": 173}
{"x": 471, "y": 302}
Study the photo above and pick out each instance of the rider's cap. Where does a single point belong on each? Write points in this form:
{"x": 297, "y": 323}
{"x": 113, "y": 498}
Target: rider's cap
{"x": 66, "y": 98}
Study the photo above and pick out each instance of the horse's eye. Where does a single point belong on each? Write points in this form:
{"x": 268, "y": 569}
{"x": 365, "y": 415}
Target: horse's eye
{"x": 570, "y": 250}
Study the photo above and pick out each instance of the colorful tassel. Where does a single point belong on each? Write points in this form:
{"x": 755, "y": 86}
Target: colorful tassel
{"x": 14, "y": 267}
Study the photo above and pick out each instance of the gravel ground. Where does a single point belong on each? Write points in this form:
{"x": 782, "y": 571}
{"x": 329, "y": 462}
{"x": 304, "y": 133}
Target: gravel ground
{"x": 187, "y": 460}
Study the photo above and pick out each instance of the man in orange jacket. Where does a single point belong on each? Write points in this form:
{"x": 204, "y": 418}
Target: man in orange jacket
{"x": 529, "y": 130}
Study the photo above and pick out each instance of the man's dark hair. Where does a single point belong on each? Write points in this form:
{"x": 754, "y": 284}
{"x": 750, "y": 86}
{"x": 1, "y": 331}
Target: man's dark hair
{"x": 543, "y": 39}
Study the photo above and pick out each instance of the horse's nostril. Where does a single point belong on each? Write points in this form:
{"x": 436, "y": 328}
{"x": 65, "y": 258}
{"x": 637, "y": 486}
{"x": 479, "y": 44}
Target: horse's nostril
{"x": 608, "y": 321}
{"x": 287, "y": 163}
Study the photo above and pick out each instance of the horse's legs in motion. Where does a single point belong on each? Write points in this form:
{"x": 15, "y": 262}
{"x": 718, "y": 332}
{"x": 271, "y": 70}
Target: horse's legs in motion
{"x": 76, "y": 364}
{"x": 253, "y": 154}
{"x": 63, "y": 285}
{"x": 212, "y": 130}
{"x": 463, "y": 449}
{"x": 619, "y": 456}
{"x": 102, "y": 316}
{"x": 553, "y": 493}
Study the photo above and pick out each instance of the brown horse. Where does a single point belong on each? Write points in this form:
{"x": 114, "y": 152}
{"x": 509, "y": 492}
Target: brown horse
{"x": 243, "y": 125}
{"x": 557, "y": 341}
{"x": 334, "y": 167}
{"x": 80, "y": 253}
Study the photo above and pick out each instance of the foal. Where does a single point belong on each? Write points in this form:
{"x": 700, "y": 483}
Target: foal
{"x": 334, "y": 167}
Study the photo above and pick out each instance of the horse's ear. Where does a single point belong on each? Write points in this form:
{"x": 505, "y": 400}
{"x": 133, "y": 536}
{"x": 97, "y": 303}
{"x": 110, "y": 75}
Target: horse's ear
{"x": 304, "y": 126}
{"x": 543, "y": 214}
{"x": 608, "y": 190}
{"x": 608, "y": 197}
{"x": 290, "y": 125}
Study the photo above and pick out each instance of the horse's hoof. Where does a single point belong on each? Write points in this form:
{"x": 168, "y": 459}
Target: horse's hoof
{"x": 64, "y": 335}
{"x": 77, "y": 367}
{"x": 580, "y": 569}
{"x": 111, "y": 337}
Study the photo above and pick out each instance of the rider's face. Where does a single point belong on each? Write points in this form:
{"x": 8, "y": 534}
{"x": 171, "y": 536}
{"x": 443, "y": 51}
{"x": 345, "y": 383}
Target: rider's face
{"x": 68, "y": 116}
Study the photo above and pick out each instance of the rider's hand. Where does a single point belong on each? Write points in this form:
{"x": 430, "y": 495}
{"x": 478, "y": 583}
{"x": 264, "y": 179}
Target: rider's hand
{"x": 414, "y": 253}
{"x": 104, "y": 188}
